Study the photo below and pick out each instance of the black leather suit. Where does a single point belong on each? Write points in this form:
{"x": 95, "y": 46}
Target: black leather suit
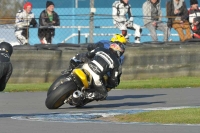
{"x": 5, "y": 69}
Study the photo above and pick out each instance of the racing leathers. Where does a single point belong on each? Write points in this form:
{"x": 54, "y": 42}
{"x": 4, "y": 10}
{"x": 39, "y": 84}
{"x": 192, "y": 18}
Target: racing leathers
{"x": 82, "y": 58}
{"x": 119, "y": 11}
{"x": 5, "y": 68}
{"x": 22, "y": 23}
{"x": 102, "y": 61}
{"x": 103, "y": 44}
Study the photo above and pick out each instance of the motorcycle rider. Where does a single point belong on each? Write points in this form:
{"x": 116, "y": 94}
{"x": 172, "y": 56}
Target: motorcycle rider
{"x": 6, "y": 50}
{"x": 119, "y": 10}
{"x": 102, "y": 61}
{"x": 24, "y": 19}
{"x": 81, "y": 58}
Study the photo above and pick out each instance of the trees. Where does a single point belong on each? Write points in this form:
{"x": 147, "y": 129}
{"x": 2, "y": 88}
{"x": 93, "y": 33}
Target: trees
{"x": 8, "y": 10}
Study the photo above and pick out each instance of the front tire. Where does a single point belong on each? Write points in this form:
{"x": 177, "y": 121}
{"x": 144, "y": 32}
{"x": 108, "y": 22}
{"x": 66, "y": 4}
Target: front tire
{"x": 57, "y": 97}
{"x": 60, "y": 80}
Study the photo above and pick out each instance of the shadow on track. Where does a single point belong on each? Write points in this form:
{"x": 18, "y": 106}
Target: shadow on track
{"x": 116, "y": 105}
{"x": 132, "y": 104}
{"x": 24, "y": 115}
{"x": 102, "y": 104}
{"x": 131, "y": 96}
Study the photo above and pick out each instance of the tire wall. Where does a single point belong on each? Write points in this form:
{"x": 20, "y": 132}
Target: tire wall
{"x": 39, "y": 66}
{"x": 141, "y": 62}
{"x": 161, "y": 61}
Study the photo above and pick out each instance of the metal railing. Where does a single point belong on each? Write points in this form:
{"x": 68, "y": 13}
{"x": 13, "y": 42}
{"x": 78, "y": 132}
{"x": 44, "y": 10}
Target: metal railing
{"x": 79, "y": 34}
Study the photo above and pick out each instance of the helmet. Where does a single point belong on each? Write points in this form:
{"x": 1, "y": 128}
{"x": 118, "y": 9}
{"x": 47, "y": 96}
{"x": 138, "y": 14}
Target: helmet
{"x": 118, "y": 48}
{"x": 118, "y": 38}
{"x": 6, "y": 47}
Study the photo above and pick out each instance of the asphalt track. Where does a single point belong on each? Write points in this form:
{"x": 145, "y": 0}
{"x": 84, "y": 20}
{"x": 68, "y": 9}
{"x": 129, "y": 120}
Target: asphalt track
{"x": 25, "y": 104}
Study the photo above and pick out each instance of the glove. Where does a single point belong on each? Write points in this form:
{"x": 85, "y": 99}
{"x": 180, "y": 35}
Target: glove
{"x": 112, "y": 82}
{"x": 82, "y": 57}
{"x": 33, "y": 22}
{"x": 74, "y": 63}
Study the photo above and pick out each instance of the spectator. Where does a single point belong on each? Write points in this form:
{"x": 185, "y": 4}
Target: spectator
{"x": 152, "y": 19}
{"x": 194, "y": 18}
{"x": 48, "y": 18}
{"x": 24, "y": 19}
{"x": 178, "y": 18}
{"x": 6, "y": 50}
{"x": 119, "y": 11}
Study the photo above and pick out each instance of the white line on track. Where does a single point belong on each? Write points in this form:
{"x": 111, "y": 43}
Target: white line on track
{"x": 90, "y": 116}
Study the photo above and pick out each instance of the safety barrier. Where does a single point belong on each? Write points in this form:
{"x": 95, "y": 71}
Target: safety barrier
{"x": 34, "y": 64}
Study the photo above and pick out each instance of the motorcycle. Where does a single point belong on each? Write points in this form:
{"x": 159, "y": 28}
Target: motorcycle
{"x": 71, "y": 86}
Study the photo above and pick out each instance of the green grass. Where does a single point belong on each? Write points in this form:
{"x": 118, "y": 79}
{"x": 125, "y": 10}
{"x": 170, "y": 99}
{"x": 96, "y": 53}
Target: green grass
{"x": 175, "y": 116}
{"x": 179, "y": 82}
{"x": 27, "y": 87}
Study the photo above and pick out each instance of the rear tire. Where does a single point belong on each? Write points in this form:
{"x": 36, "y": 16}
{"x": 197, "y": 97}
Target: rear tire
{"x": 57, "y": 97}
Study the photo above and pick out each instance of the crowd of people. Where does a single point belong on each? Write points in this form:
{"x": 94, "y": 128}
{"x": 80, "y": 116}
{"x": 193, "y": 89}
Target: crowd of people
{"x": 178, "y": 16}
{"x": 25, "y": 19}
{"x": 184, "y": 21}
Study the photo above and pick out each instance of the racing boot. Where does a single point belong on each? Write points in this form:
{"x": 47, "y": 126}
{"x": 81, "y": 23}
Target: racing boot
{"x": 137, "y": 39}
{"x": 94, "y": 96}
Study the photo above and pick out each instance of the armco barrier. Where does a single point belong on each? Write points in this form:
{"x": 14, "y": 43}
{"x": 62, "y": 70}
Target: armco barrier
{"x": 141, "y": 62}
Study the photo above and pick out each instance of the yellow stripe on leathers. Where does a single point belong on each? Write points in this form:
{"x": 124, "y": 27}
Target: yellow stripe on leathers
{"x": 82, "y": 76}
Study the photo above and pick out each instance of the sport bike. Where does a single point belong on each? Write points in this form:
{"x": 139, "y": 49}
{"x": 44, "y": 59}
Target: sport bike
{"x": 71, "y": 86}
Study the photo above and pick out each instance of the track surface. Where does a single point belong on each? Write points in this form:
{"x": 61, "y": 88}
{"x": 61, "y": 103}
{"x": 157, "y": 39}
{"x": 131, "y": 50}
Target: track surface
{"x": 29, "y": 103}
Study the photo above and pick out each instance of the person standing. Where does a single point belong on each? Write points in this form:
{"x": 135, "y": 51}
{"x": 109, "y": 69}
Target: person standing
{"x": 119, "y": 11}
{"x": 194, "y": 18}
{"x": 177, "y": 14}
{"x": 6, "y": 50}
{"x": 24, "y": 19}
{"x": 152, "y": 19}
{"x": 48, "y": 18}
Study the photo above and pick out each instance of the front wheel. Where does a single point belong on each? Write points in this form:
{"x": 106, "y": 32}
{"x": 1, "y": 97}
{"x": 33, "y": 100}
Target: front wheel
{"x": 57, "y": 97}
{"x": 60, "y": 80}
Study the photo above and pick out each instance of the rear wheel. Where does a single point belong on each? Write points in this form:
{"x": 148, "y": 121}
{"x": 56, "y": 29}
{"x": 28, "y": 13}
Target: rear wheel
{"x": 57, "y": 97}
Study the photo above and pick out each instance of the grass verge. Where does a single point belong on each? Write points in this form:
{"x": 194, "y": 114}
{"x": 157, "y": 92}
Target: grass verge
{"x": 179, "y": 82}
{"x": 27, "y": 87}
{"x": 175, "y": 116}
